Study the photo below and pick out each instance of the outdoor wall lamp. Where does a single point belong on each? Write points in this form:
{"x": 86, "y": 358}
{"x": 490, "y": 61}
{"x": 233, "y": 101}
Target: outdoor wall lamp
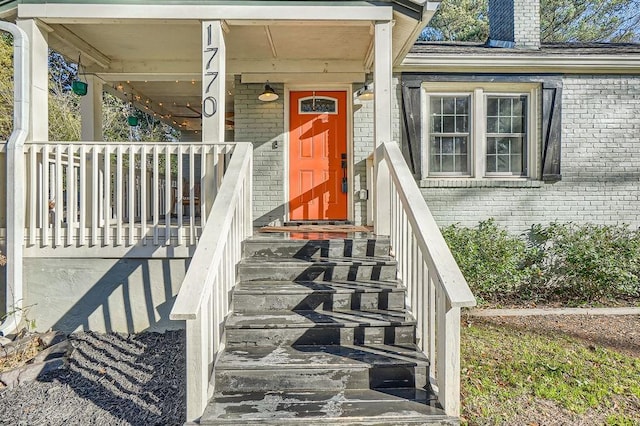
{"x": 366, "y": 93}
{"x": 269, "y": 94}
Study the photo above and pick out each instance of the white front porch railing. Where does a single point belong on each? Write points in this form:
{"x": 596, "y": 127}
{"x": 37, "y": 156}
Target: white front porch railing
{"x": 436, "y": 289}
{"x": 86, "y": 194}
{"x": 203, "y": 300}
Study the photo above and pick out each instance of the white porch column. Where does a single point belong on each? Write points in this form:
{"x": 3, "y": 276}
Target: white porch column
{"x": 382, "y": 74}
{"x": 382, "y": 70}
{"x": 91, "y": 110}
{"x": 213, "y": 81}
{"x": 213, "y": 100}
{"x": 39, "y": 100}
{"x": 91, "y": 130}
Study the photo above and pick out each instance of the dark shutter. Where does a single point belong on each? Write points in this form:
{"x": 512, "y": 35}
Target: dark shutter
{"x": 411, "y": 126}
{"x": 551, "y": 130}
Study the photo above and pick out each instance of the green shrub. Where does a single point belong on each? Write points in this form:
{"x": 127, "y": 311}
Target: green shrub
{"x": 587, "y": 263}
{"x": 494, "y": 262}
{"x": 567, "y": 263}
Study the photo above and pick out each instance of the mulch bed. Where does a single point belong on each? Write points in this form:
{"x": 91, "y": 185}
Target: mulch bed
{"x": 108, "y": 379}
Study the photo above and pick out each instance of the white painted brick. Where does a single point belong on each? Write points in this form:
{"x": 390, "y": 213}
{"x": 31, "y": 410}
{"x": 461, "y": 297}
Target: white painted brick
{"x": 600, "y": 166}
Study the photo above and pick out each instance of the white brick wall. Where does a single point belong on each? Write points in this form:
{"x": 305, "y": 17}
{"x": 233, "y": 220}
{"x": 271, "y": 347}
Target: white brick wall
{"x": 600, "y": 166}
{"x": 363, "y": 144}
{"x": 262, "y": 123}
{"x": 362, "y": 148}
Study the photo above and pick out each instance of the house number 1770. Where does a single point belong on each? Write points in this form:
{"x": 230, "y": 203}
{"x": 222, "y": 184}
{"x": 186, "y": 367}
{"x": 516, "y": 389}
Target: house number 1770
{"x": 209, "y": 103}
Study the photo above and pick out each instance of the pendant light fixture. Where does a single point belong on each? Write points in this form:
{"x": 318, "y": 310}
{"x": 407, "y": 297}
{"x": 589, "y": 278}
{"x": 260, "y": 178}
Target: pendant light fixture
{"x": 269, "y": 94}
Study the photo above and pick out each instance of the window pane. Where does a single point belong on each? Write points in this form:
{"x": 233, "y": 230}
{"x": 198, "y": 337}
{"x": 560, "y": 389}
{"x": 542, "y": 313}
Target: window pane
{"x": 318, "y": 105}
{"x": 448, "y": 124}
{"x": 436, "y": 105}
{"x": 492, "y": 125}
{"x": 436, "y": 124}
{"x": 491, "y": 145}
{"x": 461, "y": 164}
{"x": 503, "y": 146}
{"x": 504, "y": 106}
{"x": 516, "y": 145}
{"x": 517, "y": 125}
{"x": 461, "y": 145}
{"x": 517, "y": 106}
{"x": 447, "y": 146}
{"x": 447, "y": 163}
{"x": 491, "y": 163}
{"x": 462, "y": 124}
{"x": 462, "y": 105}
{"x": 505, "y": 125}
{"x": 434, "y": 164}
{"x": 448, "y": 105}
{"x": 492, "y": 107}
{"x": 516, "y": 164}
{"x": 503, "y": 163}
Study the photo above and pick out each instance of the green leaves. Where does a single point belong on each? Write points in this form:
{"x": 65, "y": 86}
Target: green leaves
{"x": 589, "y": 20}
{"x": 560, "y": 21}
{"x": 568, "y": 263}
{"x": 494, "y": 262}
{"x": 459, "y": 20}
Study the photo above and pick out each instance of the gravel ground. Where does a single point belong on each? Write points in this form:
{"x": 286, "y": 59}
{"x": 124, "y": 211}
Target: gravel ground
{"x": 111, "y": 379}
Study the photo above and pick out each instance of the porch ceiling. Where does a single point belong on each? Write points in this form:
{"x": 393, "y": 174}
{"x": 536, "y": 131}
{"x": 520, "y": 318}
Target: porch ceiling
{"x": 159, "y": 60}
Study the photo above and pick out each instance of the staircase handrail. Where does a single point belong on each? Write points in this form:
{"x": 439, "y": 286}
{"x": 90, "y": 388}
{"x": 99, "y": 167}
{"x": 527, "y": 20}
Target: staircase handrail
{"x": 436, "y": 288}
{"x": 202, "y": 301}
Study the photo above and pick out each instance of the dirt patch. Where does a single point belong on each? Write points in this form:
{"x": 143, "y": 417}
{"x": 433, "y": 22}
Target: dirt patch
{"x": 620, "y": 333}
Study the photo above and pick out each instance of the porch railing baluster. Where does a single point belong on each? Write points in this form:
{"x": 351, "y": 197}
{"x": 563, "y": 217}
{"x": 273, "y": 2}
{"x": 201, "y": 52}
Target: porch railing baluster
{"x": 106, "y": 194}
{"x": 436, "y": 289}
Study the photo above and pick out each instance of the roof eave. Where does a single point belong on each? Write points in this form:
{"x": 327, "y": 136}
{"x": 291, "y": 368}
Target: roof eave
{"x": 8, "y": 10}
{"x": 568, "y": 64}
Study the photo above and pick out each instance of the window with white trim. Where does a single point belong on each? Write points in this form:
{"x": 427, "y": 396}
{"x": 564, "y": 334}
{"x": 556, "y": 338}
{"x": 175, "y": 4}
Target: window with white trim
{"x": 480, "y": 131}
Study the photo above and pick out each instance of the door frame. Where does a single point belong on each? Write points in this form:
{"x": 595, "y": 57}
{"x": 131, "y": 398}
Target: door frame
{"x": 288, "y": 88}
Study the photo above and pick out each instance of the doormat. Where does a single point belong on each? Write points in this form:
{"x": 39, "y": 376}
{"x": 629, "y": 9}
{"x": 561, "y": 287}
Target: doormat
{"x": 317, "y": 228}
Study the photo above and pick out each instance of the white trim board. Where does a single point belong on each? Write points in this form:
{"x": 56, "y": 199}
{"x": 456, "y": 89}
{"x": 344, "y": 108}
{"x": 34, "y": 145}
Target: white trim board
{"x": 76, "y": 13}
{"x": 574, "y": 64}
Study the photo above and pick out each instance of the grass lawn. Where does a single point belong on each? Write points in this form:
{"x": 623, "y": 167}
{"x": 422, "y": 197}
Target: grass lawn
{"x": 512, "y": 377}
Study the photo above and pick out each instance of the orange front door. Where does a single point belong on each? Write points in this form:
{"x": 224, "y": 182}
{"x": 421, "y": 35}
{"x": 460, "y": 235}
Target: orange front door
{"x": 318, "y": 156}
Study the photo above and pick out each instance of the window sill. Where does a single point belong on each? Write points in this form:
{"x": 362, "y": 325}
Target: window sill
{"x": 479, "y": 183}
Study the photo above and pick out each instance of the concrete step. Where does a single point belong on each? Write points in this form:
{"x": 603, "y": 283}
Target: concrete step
{"x": 320, "y": 368}
{"x": 276, "y": 246}
{"x": 319, "y": 328}
{"x": 322, "y": 269}
{"x": 390, "y": 407}
{"x": 264, "y": 296}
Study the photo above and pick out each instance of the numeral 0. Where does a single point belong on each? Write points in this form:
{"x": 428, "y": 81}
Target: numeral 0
{"x": 209, "y": 106}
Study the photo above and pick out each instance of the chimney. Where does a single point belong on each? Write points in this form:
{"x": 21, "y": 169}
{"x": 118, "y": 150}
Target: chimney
{"x": 514, "y": 23}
